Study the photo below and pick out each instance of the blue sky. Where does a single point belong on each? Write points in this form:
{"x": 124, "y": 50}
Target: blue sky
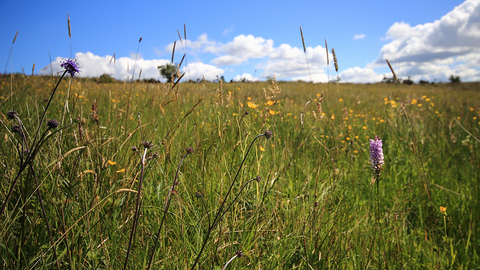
{"x": 428, "y": 40}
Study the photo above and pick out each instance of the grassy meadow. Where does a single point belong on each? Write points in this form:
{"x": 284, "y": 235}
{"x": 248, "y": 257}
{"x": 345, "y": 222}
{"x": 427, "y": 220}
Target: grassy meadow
{"x": 316, "y": 206}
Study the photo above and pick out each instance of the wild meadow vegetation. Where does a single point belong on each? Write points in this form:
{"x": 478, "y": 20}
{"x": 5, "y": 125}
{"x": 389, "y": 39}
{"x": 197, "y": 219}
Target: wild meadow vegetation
{"x": 165, "y": 174}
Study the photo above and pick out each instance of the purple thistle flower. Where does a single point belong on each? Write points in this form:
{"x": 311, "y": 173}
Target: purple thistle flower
{"x": 376, "y": 154}
{"x": 71, "y": 66}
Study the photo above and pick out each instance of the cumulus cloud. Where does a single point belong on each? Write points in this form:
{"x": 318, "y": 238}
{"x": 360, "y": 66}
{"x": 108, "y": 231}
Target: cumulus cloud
{"x": 359, "y": 36}
{"x": 242, "y": 48}
{"x": 196, "y": 71}
{"x": 360, "y": 75}
{"x": 289, "y": 62}
{"x": 202, "y": 44}
{"x": 245, "y": 76}
{"x": 94, "y": 65}
{"x": 439, "y": 48}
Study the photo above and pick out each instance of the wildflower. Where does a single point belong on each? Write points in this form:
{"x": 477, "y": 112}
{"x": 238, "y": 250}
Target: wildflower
{"x": 52, "y": 123}
{"x": 443, "y": 210}
{"x": 262, "y": 149}
{"x": 268, "y": 134}
{"x": 414, "y": 101}
{"x": 258, "y": 178}
{"x": 190, "y": 150}
{"x": 376, "y": 154}
{"x": 270, "y": 103}
{"x": 71, "y": 66}
{"x": 111, "y": 162}
{"x": 252, "y": 105}
{"x": 272, "y": 112}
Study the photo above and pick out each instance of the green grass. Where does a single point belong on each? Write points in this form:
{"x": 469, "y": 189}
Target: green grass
{"x": 314, "y": 207}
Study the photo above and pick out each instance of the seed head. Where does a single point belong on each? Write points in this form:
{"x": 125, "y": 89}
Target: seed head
{"x": 17, "y": 129}
{"x": 12, "y": 114}
{"x": 147, "y": 145}
{"x": 268, "y": 134}
{"x": 134, "y": 148}
{"x": 71, "y": 66}
{"x": 190, "y": 150}
{"x": 52, "y": 123}
{"x": 258, "y": 178}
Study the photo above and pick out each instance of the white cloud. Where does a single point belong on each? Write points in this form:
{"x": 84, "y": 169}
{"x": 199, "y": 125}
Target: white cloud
{"x": 247, "y": 76}
{"x": 289, "y": 62}
{"x": 360, "y": 75}
{"x": 456, "y": 34}
{"x": 196, "y": 71}
{"x": 95, "y": 65}
{"x": 242, "y": 48}
{"x": 359, "y": 36}
{"x": 202, "y": 44}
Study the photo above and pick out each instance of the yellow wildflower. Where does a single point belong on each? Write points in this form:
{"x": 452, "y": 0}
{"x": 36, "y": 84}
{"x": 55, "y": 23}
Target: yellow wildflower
{"x": 262, "y": 149}
{"x": 111, "y": 162}
{"x": 414, "y": 101}
{"x": 252, "y": 105}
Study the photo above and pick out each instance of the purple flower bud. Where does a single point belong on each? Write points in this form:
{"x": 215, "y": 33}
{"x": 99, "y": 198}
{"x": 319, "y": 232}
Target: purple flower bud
{"x": 52, "y": 123}
{"x": 190, "y": 150}
{"x": 71, "y": 66}
{"x": 376, "y": 154}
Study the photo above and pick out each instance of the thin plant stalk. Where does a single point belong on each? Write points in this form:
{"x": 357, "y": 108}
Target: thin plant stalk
{"x": 137, "y": 206}
{"x": 31, "y": 155}
{"x": 218, "y": 215}
{"x": 166, "y": 206}
{"x": 45, "y": 215}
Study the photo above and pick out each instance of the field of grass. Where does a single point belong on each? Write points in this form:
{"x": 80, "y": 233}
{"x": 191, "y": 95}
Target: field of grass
{"x": 317, "y": 204}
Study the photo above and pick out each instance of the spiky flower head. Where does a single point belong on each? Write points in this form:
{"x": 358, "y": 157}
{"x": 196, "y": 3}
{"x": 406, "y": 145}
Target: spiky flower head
{"x": 52, "y": 123}
{"x": 71, "y": 66}
{"x": 268, "y": 134}
{"x": 190, "y": 150}
{"x": 376, "y": 154}
{"x": 12, "y": 114}
{"x": 258, "y": 178}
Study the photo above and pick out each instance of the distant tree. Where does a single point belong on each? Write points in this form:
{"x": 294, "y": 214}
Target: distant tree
{"x": 455, "y": 79}
{"x": 408, "y": 81}
{"x": 105, "y": 78}
{"x": 168, "y": 71}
